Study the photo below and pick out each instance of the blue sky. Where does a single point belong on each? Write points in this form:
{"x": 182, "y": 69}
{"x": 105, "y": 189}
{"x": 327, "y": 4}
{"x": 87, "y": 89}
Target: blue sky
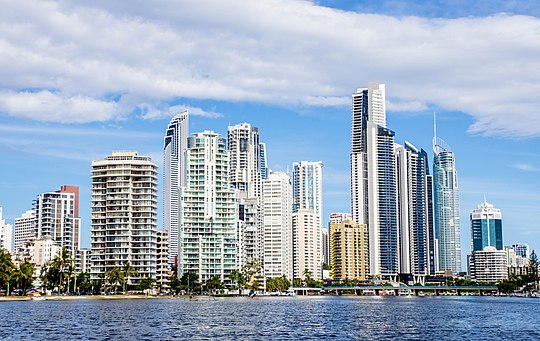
{"x": 81, "y": 79}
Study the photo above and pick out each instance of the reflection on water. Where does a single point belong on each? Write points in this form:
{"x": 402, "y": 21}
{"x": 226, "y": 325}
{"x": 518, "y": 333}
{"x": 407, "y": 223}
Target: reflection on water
{"x": 416, "y": 318}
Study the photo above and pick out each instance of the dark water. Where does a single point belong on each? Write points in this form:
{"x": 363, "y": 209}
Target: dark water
{"x": 365, "y": 318}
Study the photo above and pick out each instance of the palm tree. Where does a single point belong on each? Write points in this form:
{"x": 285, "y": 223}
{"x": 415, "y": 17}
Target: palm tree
{"x": 308, "y": 276}
{"x": 62, "y": 262}
{"x": 26, "y": 270}
{"x": 6, "y": 267}
{"x": 238, "y": 278}
{"x": 114, "y": 277}
{"x": 533, "y": 268}
{"x": 128, "y": 271}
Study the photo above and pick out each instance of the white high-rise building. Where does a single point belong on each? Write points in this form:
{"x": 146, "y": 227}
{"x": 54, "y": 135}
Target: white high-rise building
{"x": 6, "y": 234}
{"x": 373, "y": 178}
{"x": 278, "y": 239}
{"x": 57, "y": 216}
{"x": 124, "y": 214}
{"x": 162, "y": 276}
{"x": 246, "y": 176}
{"x": 488, "y": 265}
{"x": 307, "y": 250}
{"x": 446, "y": 203}
{"x": 208, "y": 235}
{"x": 307, "y": 198}
{"x": 174, "y": 178}
{"x": 25, "y": 232}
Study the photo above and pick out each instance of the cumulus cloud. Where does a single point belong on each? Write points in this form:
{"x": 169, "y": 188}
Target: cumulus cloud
{"x": 118, "y": 59}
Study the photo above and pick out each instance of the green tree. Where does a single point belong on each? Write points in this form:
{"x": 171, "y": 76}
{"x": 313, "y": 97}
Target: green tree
{"x": 308, "y": 277}
{"x": 114, "y": 277}
{"x": 533, "y": 268}
{"x": 6, "y": 267}
{"x": 297, "y": 282}
{"x": 146, "y": 283}
{"x": 26, "y": 270}
{"x": 238, "y": 278}
{"x": 61, "y": 266}
{"x": 175, "y": 284}
{"x": 214, "y": 283}
{"x": 128, "y": 271}
{"x": 252, "y": 272}
{"x": 189, "y": 281}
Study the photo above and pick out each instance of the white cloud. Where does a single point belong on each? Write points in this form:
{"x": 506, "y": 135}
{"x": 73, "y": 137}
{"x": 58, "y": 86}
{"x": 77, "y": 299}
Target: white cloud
{"x": 153, "y": 113}
{"x": 526, "y": 167}
{"x": 114, "y": 59}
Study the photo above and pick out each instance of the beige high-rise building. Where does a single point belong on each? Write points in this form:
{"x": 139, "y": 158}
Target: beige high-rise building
{"x": 25, "y": 232}
{"x": 162, "y": 277}
{"x": 349, "y": 250}
{"x": 124, "y": 214}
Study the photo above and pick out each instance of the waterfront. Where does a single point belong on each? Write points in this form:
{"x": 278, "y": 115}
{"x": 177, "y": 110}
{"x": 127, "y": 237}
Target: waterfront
{"x": 412, "y": 318}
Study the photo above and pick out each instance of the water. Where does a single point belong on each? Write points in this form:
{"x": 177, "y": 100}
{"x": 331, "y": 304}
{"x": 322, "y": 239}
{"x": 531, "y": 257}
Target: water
{"x": 365, "y": 318}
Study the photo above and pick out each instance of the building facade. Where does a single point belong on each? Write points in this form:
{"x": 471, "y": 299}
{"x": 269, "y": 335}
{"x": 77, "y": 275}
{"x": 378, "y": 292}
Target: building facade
{"x": 446, "y": 204}
{"x": 124, "y": 214}
{"x": 307, "y": 253}
{"x": 25, "y": 231}
{"x": 208, "y": 235}
{"x": 174, "y": 179}
{"x": 486, "y": 227}
{"x": 488, "y": 265}
{"x": 278, "y": 232}
{"x": 416, "y": 233}
{"x": 373, "y": 178}
{"x": 307, "y": 197}
{"x": 6, "y": 234}
{"x": 246, "y": 176}
{"x": 348, "y": 244}
{"x": 163, "y": 269}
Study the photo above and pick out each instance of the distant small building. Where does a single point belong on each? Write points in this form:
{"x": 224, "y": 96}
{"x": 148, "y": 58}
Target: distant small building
{"x": 83, "y": 260}
{"x": 6, "y": 234}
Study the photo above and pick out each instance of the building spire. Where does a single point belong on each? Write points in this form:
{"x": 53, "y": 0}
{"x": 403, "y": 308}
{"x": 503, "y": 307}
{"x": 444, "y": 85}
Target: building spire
{"x": 434, "y": 125}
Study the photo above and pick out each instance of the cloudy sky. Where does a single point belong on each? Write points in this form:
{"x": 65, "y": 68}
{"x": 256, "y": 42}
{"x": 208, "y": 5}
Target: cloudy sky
{"x": 79, "y": 79}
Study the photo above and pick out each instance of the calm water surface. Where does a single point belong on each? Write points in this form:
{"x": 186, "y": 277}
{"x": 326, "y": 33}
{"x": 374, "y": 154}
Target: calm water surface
{"x": 365, "y": 318}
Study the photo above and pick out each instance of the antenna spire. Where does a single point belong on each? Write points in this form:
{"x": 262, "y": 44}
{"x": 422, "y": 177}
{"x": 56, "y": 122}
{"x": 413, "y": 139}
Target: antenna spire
{"x": 434, "y": 125}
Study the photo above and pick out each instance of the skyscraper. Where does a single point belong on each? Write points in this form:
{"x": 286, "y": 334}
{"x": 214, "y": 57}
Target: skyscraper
{"x": 415, "y": 230}
{"x": 124, "y": 214}
{"x": 264, "y": 161}
{"x": 373, "y": 178}
{"x": 307, "y": 217}
{"x": 174, "y": 178}
{"x": 278, "y": 238}
{"x": 245, "y": 170}
{"x": 208, "y": 237}
{"x": 25, "y": 231}
{"x": 446, "y": 203}
{"x": 486, "y": 227}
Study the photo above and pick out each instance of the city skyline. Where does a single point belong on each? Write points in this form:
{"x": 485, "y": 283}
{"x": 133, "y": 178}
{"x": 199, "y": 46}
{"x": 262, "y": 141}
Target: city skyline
{"x": 79, "y": 123}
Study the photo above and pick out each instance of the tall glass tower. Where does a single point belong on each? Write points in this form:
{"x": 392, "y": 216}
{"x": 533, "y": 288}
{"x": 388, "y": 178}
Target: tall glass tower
{"x": 174, "y": 178}
{"x": 486, "y": 227}
{"x": 446, "y": 203}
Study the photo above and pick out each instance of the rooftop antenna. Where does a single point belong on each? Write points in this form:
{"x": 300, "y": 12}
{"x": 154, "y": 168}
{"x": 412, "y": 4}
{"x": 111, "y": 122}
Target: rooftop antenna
{"x": 434, "y": 125}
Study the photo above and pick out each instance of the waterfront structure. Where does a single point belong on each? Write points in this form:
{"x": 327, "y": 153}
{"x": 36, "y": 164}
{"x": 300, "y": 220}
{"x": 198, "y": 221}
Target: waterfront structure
{"x": 446, "y": 203}
{"x": 162, "y": 252}
{"x": 486, "y": 227}
{"x": 6, "y": 234}
{"x": 174, "y": 179}
{"x": 488, "y": 265}
{"x": 278, "y": 232}
{"x": 307, "y": 253}
{"x": 307, "y": 197}
{"x": 124, "y": 214}
{"x": 349, "y": 244}
{"x": 416, "y": 235}
{"x": 25, "y": 231}
{"x": 246, "y": 176}
{"x": 373, "y": 178}
{"x": 57, "y": 216}
{"x": 208, "y": 234}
